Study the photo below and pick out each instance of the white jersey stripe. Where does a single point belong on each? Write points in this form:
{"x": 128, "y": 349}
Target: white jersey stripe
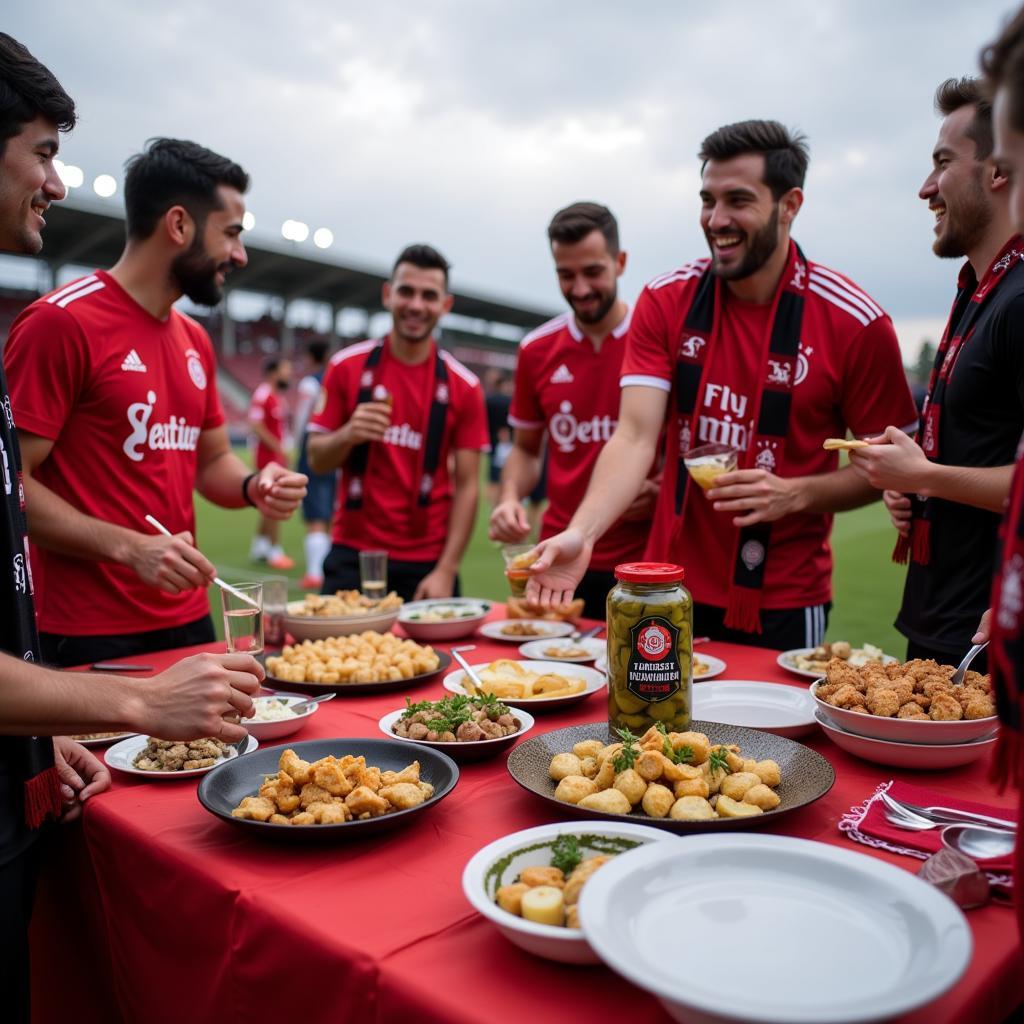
{"x": 353, "y": 350}
{"x": 847, "y": 286}
{"x": 852, "y": 310}
{"x": 514, "y": 421}
{"x": 73, "y": 287}
{"x": 545, "y": 330}
{"x": 847, "y": 296}
{"x": 655, "y": 285}
{"x": 642, "y": 380}
{"x": 466, "y": 374}
{"x": 80, "y": 294}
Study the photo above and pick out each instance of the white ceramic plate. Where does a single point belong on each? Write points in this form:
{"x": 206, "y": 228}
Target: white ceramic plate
{"x": 104, "y": 741}
{"x": 471, "y": 613}
{"x": 538, "y": 649}
{"x": 593, "y": 679}
{"x": 321, "y": 627}
{"x": 894, "y": 942}
{"x": 923, "y": 756}
{"x": 903, "y": 730}
{"x": 715, "y": 668}
{"x": 771, "y": 707}
{"x": 785, "y": 660}
{"x": 285, "y": 726}
{"x": 493, "y": 630}
{"x": 121, "y": 755}
{"x": 480, "y": 882}
{"x": 601, "y": 664}
{"x": 469, "y": 751}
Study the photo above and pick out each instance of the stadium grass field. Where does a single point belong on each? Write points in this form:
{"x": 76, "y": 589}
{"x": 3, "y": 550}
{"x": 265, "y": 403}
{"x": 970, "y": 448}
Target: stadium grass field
{"x": 867, "y": 585}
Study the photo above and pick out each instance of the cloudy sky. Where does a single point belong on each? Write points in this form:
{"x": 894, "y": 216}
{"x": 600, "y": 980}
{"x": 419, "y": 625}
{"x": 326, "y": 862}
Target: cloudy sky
{"x": 467, "y": 124}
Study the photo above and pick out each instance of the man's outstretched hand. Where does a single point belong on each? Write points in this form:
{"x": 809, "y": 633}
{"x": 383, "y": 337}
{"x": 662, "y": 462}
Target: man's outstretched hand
{"x": 559, "y": 566}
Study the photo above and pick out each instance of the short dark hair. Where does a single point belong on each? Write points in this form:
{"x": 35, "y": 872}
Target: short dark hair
{"x": 271, "y": 363}
{"x": 575, "y": 222}
{"x": 29, "y": 90}
{"x": 1003, "y": 65}
{"x": 955, "y": 93}
{"x": 174, "y": 172}
{"x": 786, "y": 154}
{"x": 424, "y": 256}
{"x": 318, "y": 349}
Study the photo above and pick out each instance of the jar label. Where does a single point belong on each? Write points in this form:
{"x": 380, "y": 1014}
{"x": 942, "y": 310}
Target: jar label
{"x": 653, "y": 673}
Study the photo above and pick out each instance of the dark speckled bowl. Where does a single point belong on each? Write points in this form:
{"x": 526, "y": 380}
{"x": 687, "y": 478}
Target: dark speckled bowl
{"x": 806, "y": 775}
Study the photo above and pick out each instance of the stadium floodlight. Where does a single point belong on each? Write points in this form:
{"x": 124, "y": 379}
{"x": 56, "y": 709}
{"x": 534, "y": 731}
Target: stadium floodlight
{"x": 323, "y": 238}
{"x": 71, "y": 175}
{"x": 248, "y": 221}
{"x": 300, "y": 231}
{"x": 104, "y": 186}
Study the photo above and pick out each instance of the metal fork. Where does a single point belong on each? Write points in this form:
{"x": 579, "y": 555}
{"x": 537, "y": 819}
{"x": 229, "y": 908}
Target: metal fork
{"x": 961, "y": 670}
{"x": 936, "y": 817}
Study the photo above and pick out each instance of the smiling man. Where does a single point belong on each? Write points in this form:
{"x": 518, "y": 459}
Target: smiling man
{"x": 405, "y": 422}
{"x": 763, "y": 350}
{"x": 946, "y": 490}
{"x": 115, "y": 396}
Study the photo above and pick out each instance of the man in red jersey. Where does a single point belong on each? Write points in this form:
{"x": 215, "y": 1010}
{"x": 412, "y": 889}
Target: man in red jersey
{"x": 116, "y": 398}
{"x": 567, "y": 385}
{"x": 267, "y": 416}
{"x": 761, "y": 349}
{"x": 392, "y": 413}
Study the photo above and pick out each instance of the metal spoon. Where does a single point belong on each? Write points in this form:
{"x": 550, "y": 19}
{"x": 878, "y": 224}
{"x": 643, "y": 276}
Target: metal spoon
{"x": 303, "y": 705}
{"x": 475, "y": 687}
{"x": 923, "y": 818}
{"x": 575, "y": 636}
{"x": 961, "y": 669}
{"x": 978, "y": 842}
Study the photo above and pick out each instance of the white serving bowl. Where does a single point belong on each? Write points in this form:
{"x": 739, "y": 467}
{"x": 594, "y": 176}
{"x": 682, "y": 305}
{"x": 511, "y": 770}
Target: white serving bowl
{"x": 264, "y": 731}
{"x": 475, "y": 750}
{"x": 903, "y": 730}
{"x": 480, "y": 883}
{"x": 923, "y": 756}
{"x": 322, "y": 627}
{"x": 445, "y": 629}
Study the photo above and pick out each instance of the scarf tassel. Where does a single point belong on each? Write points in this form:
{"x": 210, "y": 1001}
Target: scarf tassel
{"x": 42, "y": 797}
{"x": 918, "y": 546}
{"x": 744, "y": 610}
{"x": 901, "y": 553}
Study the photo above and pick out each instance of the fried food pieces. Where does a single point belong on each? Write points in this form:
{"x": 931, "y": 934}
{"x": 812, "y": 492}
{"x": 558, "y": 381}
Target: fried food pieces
{"x": 368, "y": 657}
{"x": 506, "y": 678}
{"x": 332, "y": 790}
{"x": 683, "y": 776}
{"x": 343, "y": 604}
{"x": 919, "y": 690}
{"x": 173, "y": 756}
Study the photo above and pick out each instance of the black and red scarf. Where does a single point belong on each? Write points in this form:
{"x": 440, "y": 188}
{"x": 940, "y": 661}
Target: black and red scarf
{"x": 970, "y": 301}
{"x": 772, "y": 402}
{"x": 29, "y": 758}
{"x": 429, "y": 455}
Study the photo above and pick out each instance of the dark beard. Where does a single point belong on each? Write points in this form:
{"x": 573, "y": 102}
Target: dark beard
{"x": 195, "y": 274}
{"x": 966, "y": 224}
{"x": 599, "y": 314}
{"x": 759, "y": 251}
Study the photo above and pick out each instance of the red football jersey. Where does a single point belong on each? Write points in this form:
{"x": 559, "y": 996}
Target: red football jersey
{"x": 572, "y": 391}
{"x": 124, "y": 397}
{"x": 849, "y": 377}
{"x": 267, "y": 408}
{"x": 391, "y": 481}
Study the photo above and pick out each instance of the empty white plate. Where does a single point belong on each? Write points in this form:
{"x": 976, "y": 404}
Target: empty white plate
{"x": 770, "y": 707}
{"x": 834, "y": 936}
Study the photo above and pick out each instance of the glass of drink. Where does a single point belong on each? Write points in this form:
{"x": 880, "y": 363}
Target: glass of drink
{"x": 275, "y": 607}
{"x": 710, "y": 461}
{"x": 373, "y": 574}
{"x": 517, "y": 562}
{"x": 243, "y": 618}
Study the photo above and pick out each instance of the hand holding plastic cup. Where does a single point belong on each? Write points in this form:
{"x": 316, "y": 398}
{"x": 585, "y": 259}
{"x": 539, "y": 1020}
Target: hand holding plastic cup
{"x": 517, "y": 566}
{"x": 708, "y": 462}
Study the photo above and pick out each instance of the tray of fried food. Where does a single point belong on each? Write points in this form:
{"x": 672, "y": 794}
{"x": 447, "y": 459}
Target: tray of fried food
{"x": 343, "y": 604}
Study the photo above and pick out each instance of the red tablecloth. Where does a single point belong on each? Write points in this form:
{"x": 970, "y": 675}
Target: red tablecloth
{"x": 155, "y": 911}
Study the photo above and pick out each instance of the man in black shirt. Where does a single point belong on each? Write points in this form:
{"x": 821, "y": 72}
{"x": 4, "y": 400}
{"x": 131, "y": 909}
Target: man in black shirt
{"x": 41, "y": 777}
{"x": 945, "y": 492}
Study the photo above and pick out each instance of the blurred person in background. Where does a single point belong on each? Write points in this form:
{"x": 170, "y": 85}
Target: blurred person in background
{"x": 115, "y": 394}
{"x": 567, "y": 394}
{"x": 318, "y": 504}
{"x": 45, "y": 776}
{"x": 268, "y": 422}
{"x": 394, "y": 410}
{"x": 498, "y": 397}
{"x": 945, "y": 490}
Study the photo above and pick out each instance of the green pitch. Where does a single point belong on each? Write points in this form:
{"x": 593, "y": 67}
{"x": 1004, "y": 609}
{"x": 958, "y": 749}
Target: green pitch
{"x": 867, "y": 584}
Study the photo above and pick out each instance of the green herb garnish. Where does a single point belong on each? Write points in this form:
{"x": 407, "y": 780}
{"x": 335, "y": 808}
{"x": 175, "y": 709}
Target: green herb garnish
{"x": 684, "y": 755}
{"x": 448, "y": 714}
{"x": 626, "y": 757}
{"x": 718, "y": 759}
{"x": 565, "y": 854}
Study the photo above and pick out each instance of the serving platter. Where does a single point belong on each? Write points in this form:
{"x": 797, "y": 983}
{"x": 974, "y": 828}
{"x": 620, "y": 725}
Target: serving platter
{"x": 121, "y": 755}
{"x": 224, "y": 787}
{"x": 785, "y": 660}
{"x": 593, "y": 680}
{"x": 445, "y": 659}
{"x": 771, "y": 707}
{"x": 894, "y": 942}
{"x": 102, "y": 740}
{"x": 806, "y": 775}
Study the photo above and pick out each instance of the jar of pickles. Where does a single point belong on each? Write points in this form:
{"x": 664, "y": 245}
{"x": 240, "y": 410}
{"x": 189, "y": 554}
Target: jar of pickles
{"x": 650, "y": 648}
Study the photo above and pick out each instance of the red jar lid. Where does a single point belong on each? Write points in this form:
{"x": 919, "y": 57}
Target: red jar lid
{"x": 649, "y": 572}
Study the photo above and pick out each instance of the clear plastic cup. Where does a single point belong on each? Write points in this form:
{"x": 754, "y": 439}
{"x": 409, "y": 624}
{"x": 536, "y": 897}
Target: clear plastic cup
{"x": 708, "y": 462}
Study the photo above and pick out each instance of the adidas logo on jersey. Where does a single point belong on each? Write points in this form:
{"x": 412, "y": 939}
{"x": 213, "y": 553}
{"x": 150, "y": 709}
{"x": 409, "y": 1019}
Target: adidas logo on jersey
{"x": 133, "y": 363}
{"x": 562, "y": 375}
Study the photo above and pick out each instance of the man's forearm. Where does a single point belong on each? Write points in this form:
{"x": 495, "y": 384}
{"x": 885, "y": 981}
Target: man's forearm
{"x": 220, "y": 480}
{"x": 43, "y": 702}
{"x": 519, "y": 475}
{"x": 839, "y": 491}
{"x": 460, "y": 523}
{"x": 619, "y": 473}
{"x": 985, "y": 487}
{"x": 328, "y": 451}
{"x": 262, "y": 432}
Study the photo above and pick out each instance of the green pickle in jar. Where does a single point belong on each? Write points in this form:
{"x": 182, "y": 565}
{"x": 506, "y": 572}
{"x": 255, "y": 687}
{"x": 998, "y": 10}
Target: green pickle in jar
{"x": 650, "y": 648}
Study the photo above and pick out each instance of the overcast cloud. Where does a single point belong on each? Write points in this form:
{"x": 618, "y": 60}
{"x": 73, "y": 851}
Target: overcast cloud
{"x": 467, "y": 124}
